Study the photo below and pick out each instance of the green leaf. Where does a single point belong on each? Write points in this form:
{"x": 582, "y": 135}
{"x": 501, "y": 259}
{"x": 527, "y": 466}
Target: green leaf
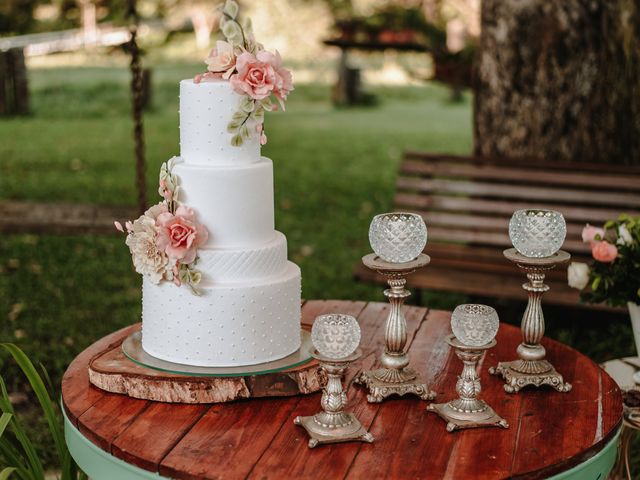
{"x": 239, "y": 116}
{"x": 248, "y": 105}
{"x": 233, "y": 127}
{"x": 595, "y": 283}
{"x": 6, "y": 472}
{"x": 237, "y": 140}
{"x": 48, "y": 406}
{"x": 4, "y": 421}
{"x": 244, "y": 131}
{"x": 231, "y": 9}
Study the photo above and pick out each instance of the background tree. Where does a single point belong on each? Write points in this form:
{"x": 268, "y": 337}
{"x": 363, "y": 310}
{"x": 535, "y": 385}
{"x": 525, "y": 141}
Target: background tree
{"x": 559, "y": 80}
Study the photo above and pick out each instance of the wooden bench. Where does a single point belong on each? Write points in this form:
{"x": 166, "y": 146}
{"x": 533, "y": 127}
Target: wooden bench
{"x": 467, "y": 203}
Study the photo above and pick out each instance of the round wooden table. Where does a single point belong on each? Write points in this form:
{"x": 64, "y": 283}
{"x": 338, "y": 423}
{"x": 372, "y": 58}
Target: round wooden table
{"x": 551, "y": 434}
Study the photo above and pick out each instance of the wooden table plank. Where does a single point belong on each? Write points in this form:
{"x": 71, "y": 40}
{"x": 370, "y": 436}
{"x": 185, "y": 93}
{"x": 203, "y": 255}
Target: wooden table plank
{"x": 155, "y": 432}
{"x": 77, "y": 393}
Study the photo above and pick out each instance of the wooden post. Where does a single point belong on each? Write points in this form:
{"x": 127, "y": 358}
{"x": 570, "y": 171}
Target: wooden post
{"x": 14, "y": 90}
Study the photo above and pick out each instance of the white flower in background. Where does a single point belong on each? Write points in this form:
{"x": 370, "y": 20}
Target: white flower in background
{"x": 624, "y": 236}
{"x": 578, "y": 274}
{"x": 147, "y": 258}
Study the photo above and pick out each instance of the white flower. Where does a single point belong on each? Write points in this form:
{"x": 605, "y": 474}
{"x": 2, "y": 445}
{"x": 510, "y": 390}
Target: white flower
{"x": 578, "y": 274}
{"x": 624, "y": 236}
{"x": 147, "y": 258}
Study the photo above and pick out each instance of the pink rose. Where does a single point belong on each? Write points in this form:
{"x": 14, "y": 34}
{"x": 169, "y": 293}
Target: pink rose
{"x": 254, "y": 78}
{"x": 222, "y": 60}
{"x": 589, "y": 234}
{"x": 180, "y": 235}
{"x": 604, "y": 252}
{"x": 284, "y": 81}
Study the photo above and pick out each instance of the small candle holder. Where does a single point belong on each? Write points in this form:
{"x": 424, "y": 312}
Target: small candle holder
{"x": 537, "y": 236}
{"x": 475, "y": 327}
{"x": 336, "y": 338}
{"x": 397, "y": 240}
{"x": 468, "y": 411}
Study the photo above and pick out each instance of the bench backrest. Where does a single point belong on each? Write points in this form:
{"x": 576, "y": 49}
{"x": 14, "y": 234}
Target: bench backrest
{"x": 471, "y": 199}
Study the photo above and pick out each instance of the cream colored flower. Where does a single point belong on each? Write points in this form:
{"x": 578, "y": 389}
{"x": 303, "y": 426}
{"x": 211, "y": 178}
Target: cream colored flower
{"x": 578, "y": 275}
{"x": 147, "y": 258}
{"x": 222, "y": 59}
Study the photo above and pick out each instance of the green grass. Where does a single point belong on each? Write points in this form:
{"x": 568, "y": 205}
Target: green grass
{"x": 334, "y": 169}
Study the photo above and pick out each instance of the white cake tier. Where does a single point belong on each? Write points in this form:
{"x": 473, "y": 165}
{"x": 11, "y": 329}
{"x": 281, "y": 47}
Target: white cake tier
{"x": 206, "y": 109}
{"x": 243, "y": 265}
{"x": 228, "y": 325}
{"x": 235, "y": 203}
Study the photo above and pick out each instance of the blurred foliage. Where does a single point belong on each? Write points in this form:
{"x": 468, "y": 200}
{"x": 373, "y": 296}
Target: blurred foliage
{"x": 16, "y": 16}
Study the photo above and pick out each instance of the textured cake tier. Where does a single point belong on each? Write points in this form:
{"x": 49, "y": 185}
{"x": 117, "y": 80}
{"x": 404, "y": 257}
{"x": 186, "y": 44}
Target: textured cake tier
{"x": 235, "y": 203}
{"x": 205, "y": 111}
{"x": 228, "y": 325}
{"x": 244, "y": 265}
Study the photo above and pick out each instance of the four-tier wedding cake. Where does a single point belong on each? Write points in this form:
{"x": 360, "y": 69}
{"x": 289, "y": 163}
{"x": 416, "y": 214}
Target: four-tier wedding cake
{"x": 218, "y": 289}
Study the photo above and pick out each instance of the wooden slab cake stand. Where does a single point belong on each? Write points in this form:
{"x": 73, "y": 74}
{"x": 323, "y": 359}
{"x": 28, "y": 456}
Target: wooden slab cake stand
{"x": 113, "y": 371}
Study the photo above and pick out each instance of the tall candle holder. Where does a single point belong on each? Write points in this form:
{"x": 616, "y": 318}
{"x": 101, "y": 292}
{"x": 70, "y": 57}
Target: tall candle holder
{"x": 537, "y": 236}
{"x": 336, "y": 338}
{"x": 398, "y": 240}
{"x": 395, "y": 378}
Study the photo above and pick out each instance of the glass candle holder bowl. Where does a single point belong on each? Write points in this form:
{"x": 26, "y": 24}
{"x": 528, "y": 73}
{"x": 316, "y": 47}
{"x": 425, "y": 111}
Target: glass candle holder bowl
{"x": 398, "y": 237}
{"x": 474, "y": 325}
{"x": 537, "y": 233}
{"x": 335, "y": 335}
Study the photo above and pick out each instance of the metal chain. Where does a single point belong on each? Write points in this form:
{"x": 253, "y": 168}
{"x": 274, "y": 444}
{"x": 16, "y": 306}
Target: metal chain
{"x": 138, "y": 104}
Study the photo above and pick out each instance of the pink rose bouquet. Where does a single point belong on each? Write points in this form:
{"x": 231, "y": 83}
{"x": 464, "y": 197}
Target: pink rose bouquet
{"x": 614, "y": 275}
{"x": 253, "y": 72}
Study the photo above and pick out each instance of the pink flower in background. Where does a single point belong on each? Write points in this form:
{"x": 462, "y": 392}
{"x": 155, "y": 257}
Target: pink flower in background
{"x": 284, "y": 80}
{"x": 180, "y": 235}
{"x": 590, "y": 232}
{"x": 604, "y": 252}
{"x": 221, "y": 60}
{"x": 254, "y": 78}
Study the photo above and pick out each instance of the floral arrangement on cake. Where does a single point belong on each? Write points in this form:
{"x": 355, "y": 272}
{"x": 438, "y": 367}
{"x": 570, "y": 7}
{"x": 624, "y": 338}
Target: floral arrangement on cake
{"x": 614, "y": 275}
{"x": 252, "y": 71}
{"x": 164, "y": 241}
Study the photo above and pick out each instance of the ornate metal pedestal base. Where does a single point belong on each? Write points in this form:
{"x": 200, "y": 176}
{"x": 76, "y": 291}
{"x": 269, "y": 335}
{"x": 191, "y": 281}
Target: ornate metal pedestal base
{"x": 457, "y": 420}
{"x": 394, "y": 378}
{"x": 333, "y": 425}
{"x": 531, "y": 368}
{"x": 345, "y": 429}
{"x": 520, "y": 373}
{"x": 383, "y": 383}
{"x": 468, "y": 411}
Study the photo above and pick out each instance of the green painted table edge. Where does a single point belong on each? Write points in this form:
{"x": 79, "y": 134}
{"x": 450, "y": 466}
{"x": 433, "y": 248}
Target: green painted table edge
{"x": 597, "y": 467}
{"x": 99, "y": 464}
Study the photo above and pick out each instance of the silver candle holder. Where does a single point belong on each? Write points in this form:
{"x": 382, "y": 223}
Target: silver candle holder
{"x": 475, "y": 327}
{"x": 336, "y": 338}
{"x": 537, "y": 236}
{"x": 398, "y": 240}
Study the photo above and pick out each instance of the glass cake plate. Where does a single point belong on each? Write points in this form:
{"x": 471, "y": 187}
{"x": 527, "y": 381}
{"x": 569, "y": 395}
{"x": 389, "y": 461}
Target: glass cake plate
{"x": 132, "y": 348}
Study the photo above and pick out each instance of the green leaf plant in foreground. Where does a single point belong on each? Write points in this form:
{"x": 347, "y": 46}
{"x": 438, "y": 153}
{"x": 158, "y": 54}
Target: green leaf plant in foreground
{"x": 18, "y": 457}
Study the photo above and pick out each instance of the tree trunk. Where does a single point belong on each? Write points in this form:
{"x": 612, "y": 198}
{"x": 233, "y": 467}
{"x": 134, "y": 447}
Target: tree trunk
{"x": 559, "y": 80}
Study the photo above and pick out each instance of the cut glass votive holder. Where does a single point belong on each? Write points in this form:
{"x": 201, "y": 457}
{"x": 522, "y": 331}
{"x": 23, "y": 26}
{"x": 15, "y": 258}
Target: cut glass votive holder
{"x": 398, "y": 237}
{"x": 474, "y": 325}
{"x": 537, "y": 233}
{"x": 335, "y": 335}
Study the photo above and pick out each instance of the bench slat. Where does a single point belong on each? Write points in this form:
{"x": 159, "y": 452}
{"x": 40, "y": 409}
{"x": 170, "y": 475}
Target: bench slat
{"x": 488, "y": 190}
{"x": 524, "y": 175}
{"x": 405, "y": 200}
